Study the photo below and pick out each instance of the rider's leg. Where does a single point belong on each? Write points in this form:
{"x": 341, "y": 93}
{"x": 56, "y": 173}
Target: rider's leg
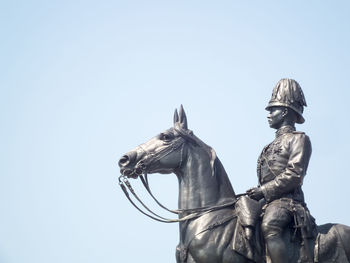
{"x": 277, "y": 249}
{"x": 276, "y": 219}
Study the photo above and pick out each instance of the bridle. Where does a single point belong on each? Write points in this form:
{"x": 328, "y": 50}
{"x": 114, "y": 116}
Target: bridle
{"x": 153, "y": 157}
{"x": 140, "y": 171}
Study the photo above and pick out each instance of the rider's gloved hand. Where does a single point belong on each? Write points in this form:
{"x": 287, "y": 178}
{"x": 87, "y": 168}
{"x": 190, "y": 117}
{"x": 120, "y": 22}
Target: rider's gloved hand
{"x": 255, "y": 193}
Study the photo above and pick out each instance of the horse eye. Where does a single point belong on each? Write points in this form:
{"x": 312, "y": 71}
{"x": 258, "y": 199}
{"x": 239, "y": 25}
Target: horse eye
{"x": 166, "y": 137}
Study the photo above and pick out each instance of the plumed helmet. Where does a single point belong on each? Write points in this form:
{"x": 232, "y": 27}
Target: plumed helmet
{"x": 288, "y": 93}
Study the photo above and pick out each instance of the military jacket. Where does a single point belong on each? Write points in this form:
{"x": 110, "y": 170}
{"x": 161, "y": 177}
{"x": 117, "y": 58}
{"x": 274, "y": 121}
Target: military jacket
{"x": 282, "y": 165}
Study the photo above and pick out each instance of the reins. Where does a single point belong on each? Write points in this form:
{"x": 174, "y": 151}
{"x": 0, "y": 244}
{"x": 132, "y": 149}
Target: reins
{"x": 193, "y": 212}
{"x": 125, "y": 185}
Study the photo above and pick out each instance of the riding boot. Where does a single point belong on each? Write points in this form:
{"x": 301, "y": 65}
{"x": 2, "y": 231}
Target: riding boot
{"x": 277, "y": 249}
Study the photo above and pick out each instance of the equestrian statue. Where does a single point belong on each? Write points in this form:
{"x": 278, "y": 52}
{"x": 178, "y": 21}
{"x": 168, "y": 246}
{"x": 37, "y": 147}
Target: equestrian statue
{"x": 269, "y": 223}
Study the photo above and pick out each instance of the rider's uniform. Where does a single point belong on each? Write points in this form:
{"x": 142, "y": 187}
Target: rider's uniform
{"x": 281, "y": 169}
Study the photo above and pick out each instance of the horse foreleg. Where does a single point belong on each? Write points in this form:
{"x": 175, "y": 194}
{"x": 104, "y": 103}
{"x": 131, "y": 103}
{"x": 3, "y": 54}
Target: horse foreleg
{"x": 177, "y": 254}
{"x": 190, "y": 259}
{"x": 182, "y": 253}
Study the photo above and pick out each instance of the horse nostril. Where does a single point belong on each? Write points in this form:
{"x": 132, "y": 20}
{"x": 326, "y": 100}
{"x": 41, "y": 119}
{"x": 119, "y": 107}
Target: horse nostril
{"x": 127, "y": 159}
{"x": 124, "y": 161}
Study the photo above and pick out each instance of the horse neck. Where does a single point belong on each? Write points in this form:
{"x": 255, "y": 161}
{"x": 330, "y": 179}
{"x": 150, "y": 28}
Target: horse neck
{"x": 198, "y": 186}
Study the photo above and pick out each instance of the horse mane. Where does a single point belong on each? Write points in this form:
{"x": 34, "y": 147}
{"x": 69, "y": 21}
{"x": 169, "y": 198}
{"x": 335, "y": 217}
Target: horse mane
{"x": 194, "y": 140}
{"x": 217, "y": 169}
{"x": 210, "y": 151}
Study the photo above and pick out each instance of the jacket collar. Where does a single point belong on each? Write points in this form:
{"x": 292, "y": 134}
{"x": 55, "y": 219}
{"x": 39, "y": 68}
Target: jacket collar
{"x": 284, "y": 130}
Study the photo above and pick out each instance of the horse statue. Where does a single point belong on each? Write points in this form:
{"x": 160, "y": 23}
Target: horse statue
{"x": 209, "y": 225}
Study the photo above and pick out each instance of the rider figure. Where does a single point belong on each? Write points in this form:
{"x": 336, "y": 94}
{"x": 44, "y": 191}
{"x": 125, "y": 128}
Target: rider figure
{"x": 281, "y": 168}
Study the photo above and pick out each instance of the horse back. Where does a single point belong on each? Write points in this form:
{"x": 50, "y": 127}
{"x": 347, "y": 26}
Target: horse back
{"x": 332, "y": 243}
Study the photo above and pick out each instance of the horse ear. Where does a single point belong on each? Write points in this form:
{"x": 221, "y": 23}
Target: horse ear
{"x": 176, "y": 116}
{"x": 183, "y": 118}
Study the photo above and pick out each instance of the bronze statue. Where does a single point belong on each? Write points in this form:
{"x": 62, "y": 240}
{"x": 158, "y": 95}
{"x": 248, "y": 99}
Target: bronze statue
{"x": 216, "y": 225}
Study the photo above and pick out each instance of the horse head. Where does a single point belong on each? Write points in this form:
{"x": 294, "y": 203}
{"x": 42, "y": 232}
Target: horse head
{"x": 164, "y": 153}
{"x": 202, "y": 178}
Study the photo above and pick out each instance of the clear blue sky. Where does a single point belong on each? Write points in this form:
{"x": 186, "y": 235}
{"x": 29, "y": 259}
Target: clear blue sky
{"x": 83, "y": 82}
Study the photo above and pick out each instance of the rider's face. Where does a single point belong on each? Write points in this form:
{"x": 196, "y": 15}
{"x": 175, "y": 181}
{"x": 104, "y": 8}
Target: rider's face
{"x": 276, "y": 117}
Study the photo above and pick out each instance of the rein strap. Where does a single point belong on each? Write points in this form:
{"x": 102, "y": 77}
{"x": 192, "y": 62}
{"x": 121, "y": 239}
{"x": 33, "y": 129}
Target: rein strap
{"x": 194, "y": 212}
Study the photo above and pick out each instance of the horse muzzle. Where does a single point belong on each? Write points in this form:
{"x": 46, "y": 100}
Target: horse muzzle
{"x": 129, "y": 167}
